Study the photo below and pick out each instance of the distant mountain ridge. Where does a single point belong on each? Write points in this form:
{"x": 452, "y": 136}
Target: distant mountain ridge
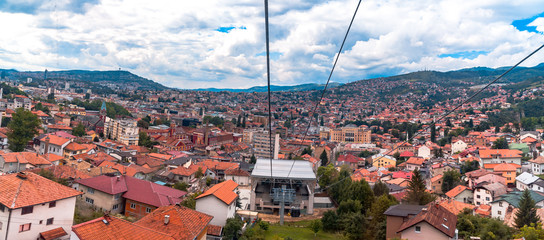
{"x": 274, "y": 88}
{"x": 112, "y": 77}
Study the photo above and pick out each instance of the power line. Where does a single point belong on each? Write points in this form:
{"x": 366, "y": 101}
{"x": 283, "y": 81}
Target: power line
{"x": 328, "y": 80}
{"x": 268, "y": 78}
{"x": 452, "y": 110}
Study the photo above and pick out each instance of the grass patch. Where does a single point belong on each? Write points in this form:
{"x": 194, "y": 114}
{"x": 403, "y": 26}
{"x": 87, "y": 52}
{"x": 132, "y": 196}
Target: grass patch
{"x": 299, "y": 230}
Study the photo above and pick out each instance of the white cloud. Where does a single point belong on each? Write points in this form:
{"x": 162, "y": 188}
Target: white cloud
{"x": 176, "y": 42}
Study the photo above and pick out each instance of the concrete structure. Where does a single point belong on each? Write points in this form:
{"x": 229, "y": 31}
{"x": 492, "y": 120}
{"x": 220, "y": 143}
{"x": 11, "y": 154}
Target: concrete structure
{"x": 292, "y": 175}
{"x": 261, "y": 144}
{"x": 122, "y": 130}
{"x": 219, "y": 201}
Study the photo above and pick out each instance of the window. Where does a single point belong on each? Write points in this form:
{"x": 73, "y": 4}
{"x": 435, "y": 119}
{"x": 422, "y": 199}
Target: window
{"x": 487, "y": 198}
{"x": 0, "y": 225}
{"x": 147, "y": 210}
{"x": 49, "y": 221}
{"x": 499, "y": 212}
{"x": 477, "y": 196}
{"x": 1, "y": 208}
{"x": 418, "y": 229}
{"x": 24, "y": 227}
{"x": 500, "y": 204}
{"x": 116, "y": 206}
{"x": 117, "y": 196}
{"x": 90, "y": 190}
{"x": 133, "y": 206}
{"x": 89, "y": 200}
{"x": 52, "y": 204}
{"x": 27, "y": 210}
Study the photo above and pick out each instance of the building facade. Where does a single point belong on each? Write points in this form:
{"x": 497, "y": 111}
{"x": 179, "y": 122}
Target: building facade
{"x": 350, "y": 133}
{"x": 122, "y": 130}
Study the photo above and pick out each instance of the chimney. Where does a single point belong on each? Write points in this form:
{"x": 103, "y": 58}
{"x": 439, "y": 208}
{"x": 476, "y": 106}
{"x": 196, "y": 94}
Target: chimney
{"x": 166, "y": 219}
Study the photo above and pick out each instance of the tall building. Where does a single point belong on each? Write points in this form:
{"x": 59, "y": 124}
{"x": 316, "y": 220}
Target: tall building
{"x": 261, "y": 144}
{"x": 350, "y": 133}
{"x": 122, "y": 130}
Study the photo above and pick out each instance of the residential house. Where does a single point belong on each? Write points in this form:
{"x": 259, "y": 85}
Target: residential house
{"x": 397, "y": 215}
{"x": 348, "y": 159}
{"x": 537, "y": 165}
{"x": 436, "y": 184}
{"x": 169, "y": 223}
{"x": 53, "y": 144}
{"x": 222, "y": 197}
{"x": 461, "y": 193}
{"x": 458, "y": 146}
{"x": 433, "y": 222}
{"x": 507, "y": 170}
{"x": 499, "y": 156}
{"x": 381, "y": 160}
{"x": 455, "y": 207}
{"x": 485, "y": 193}
{"x": 73, "y": 149}
{"x": 238, "y": 175}
{"x": 32, "y": 207}
{"x": 529, "y": 181}
{"x": 21, "y": 161}
{"x": 424, "y": 152}
{"x": 509, "y": 201}
{"x": 481, "y": 175}
{"x": 134, "y": 197}
{"x": 414, "y": 162}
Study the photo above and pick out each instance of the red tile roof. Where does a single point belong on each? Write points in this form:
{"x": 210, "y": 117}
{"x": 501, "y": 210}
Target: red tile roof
{"x": 152, "y": 193}
{"x": 215, "y": 230}
{"x": 25, "y": 158}
{"x": 74, "y": 147}
{"x": 112, "y": 228}
{"x": 348, "y": 158}
{"x": 504, "y": 153}
{"x": 223, "y": 191}
{"x": 107, "y": 184}
{"x": 54, "y": 139}
{"x": 53, "y": 234}
{"x": 237, "y": 172}
{"x": 415, "y": 160}
{"x": 16, "y": 192}
{"x": 435, "y": 215}
{"x": 184, "y": 223}
{"x": 456, "y": 191}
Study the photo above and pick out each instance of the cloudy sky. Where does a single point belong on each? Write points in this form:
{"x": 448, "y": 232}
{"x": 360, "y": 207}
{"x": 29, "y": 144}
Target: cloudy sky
{"x": 208, "y": 43}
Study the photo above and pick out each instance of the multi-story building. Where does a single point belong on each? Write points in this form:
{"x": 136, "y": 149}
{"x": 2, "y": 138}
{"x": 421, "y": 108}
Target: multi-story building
{"x": 349, "y": 133}
{"x": 261, "y": 144}
{"x": 122, "y": 130}
{"x": 32, "y": 207}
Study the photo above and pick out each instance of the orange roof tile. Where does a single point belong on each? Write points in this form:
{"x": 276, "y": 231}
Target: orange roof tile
{"x": 16, "y": 192}
{"x": 456, "y": 191}
{"x": 55, "y": 140}
{"x": 436, "y": 178}
{"x": 223, "y": 191}
{"x": 504, "y": 153}
{"x": 506, "y": 167}
{"x": 184, "y": 223}
{"x": 53, "y": 234}
{"x": 455, "y": 207}
{"x": 112, "y": 228}
{"x": 74, "y": 147}
{"x": 25, "y": 158}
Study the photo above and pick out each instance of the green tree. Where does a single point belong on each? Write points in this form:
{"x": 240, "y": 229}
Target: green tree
{"x": 433, "y": 133}
{"x": 253, "y": 159}
{"x": 450, "y": 180}
{"x": 51, "y": 97}
{"x": 532, "y": 232}
{"x": 416, "y": 193}
{"x": 356, "y": 225}
{"x": 143, "y": 124}
{"x": 527, "y": 211}
{"x": 324, "y": 158}
{"x": 330, "y": 221}
{"x": 181, "y": 186}
{"x": 380, "y": 188}
{"x": 190, "y": 201}
{"x": 23, "y": 127}
{"x": 315, "y": 226}
{"x": 470, "y": 166}
{"x": 233, "y": 228}
{"x": 79, "y": 130}
{"x": 500, "y": 143}
{"x": 199, "y": 172}
{"x": 365, "y": 154}
{"x": 348, "y": 207}
{"x": 307, "y": 150}
{"x": 378, "y": 222}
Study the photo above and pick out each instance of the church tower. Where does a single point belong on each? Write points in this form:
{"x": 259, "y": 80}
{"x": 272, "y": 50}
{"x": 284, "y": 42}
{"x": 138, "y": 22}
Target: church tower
{"x": 103, "y": 112}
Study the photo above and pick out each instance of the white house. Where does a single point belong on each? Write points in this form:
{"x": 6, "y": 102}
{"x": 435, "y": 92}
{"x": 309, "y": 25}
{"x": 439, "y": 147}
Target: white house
{"x": 238, "y": 175}
{"x": 458, "y": 146}
{"x": 537, "y": 165}
{"x": 33, "y": 207}
{"x": 525, "y": 180}
{"x": 424, "y": 152}
{"x": 219, "y": 201}
{"x": 486, "y": 193}
{"x": 21, "y": 161}
{"x": 53, "y": 144}
{"x": 509, "y": 201}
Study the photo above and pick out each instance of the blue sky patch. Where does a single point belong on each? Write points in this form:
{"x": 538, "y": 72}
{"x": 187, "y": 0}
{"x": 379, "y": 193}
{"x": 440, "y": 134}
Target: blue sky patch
{"x": 465, "y": 54}
{"x": 521, "y": 24}
{"x": 228, "y": 29}
{"x": 273, "y": 55}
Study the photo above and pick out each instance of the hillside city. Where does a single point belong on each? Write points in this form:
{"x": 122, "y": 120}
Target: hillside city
{"x": 116, "y": 156}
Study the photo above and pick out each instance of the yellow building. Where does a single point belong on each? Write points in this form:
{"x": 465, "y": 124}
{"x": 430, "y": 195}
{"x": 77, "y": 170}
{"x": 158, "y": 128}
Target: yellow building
{"x": 381, "y": 160}
{"x": 350, "y": 134}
